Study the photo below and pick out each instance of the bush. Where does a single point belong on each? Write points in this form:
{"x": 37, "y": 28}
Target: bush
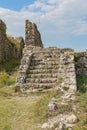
{"x": 65, "y": 88}
{"x": 9, "y": 65}
{"x": 77, "y": 56}
{"x": 82, "y": 84}
{"x": 6, "y": 79}
{"x": 17, "y": 88}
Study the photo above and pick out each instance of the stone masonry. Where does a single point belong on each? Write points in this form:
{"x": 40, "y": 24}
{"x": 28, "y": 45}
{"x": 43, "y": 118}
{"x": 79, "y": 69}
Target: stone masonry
{"x": 32, "y": 36}
{"x": 9, "y": 47}
{"x": 45, "y": 68}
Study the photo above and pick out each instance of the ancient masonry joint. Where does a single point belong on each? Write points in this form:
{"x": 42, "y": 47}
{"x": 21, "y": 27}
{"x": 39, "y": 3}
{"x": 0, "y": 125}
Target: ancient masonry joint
{"x": 45, "y": 68}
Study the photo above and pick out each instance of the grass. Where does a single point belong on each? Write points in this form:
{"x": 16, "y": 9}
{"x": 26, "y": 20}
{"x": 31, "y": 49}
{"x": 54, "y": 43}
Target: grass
{"x": 8, "y": 72}
{"x": 82, "y": 84}
{"x": 10, "y": 65}
{"x": 19, "y": 112}
{"x": 28, "y": 111}
{"x": 6, "y": 79}
{"x": 81, "y": 103}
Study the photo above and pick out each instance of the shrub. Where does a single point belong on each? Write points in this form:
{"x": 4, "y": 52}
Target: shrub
{"x": 9, "y": 65}
{"x": 77, "y": 56}
{"x": 4, "y": 78}
{"x": 82, "y": 84}
{"x": 65, "y": 88}
{"x": 17, "y": 88}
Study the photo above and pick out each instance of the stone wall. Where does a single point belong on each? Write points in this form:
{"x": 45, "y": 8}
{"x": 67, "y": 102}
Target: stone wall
{"x": 45, "y": 68}
{"x": 9, "y": 47}
{"x": 32, "y": 35}
{"x": 67, "y": 69}
{"x": 81, "y": 63}
{"x": 17, "y": 45}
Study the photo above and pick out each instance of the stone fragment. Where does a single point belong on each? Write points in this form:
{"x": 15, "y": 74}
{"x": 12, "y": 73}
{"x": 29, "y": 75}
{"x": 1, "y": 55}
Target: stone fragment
{"x": 52, "y": 107}
{"x": 71, "y": 119}
{"x": 47, "y": 126}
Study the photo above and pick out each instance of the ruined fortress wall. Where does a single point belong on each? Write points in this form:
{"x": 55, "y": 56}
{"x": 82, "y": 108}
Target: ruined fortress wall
{"x": 9, "y": 48}
{"x": 57, "y": 63}
{"x": 32, "y": 35}
{"x": 48, "y": 67}
{"x": 81, "y": 63}
{"x": 67, "y": 69}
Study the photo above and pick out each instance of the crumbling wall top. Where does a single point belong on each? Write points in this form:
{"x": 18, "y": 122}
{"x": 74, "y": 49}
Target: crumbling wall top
{"x": 32, "y": 35}
{"x": 2, "y": 27}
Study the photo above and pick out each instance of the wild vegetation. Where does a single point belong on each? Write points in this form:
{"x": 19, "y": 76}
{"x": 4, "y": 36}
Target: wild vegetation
{"x": 28, "y": 111}
{"x": 81, "y": 103}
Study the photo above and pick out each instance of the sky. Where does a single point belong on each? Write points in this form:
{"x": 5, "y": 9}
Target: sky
{"x": 62, "y": 23}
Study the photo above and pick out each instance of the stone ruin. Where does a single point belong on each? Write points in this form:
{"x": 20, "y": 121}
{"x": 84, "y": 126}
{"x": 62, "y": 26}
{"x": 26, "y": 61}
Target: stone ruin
{"x": 32, "y": 35}
{"x": 9, "y": 47}
{"x": 41, "y": 67}
{"x": 45, "y": 68}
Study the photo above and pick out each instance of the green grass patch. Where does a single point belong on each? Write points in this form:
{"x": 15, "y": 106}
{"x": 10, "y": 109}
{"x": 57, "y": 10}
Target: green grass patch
{"x": 77, "y": 56}
{"x": 10, "y": 65}
{"x": 8, "y": 72}
{"x": 6, "y": 79}
{"x": 82, "y": 84}
{"x": 40, "y": 108}
{"x": 81, "y": 103}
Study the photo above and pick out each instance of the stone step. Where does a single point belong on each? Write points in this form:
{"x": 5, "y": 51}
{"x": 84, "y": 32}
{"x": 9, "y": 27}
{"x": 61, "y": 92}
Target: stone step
{"x": 35, "y": 63}
{"x": 46, "y": 75}
{"x": 47, "y": 51}
{"x": 32, "y": 86}
{"x": 39, "y": 59}
{"x": 46, "y": 56}
{"x": 41, "y": 80}
{"x": 44, "y": 67}
{"x": 36, "y": 71}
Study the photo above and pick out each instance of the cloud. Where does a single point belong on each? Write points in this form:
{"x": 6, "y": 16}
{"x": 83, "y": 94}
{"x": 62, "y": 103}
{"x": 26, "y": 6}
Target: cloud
{"x": 56, "y": 19}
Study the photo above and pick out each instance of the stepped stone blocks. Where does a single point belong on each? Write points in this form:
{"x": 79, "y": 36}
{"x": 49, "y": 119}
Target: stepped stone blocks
{"x": 9, "y": 47}
{"x": 81, "y": 63}
{"x": 45, "y": 68}
{"x": 32, "y": 36}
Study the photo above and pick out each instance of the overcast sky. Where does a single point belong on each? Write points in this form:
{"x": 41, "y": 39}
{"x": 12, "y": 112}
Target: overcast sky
{"x": 62, "y": 23}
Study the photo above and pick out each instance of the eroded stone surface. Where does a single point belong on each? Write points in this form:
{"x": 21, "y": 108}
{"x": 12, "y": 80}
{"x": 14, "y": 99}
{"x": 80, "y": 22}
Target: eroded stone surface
{"x": 9, "y": 47}
{"x": 32, "y": 35}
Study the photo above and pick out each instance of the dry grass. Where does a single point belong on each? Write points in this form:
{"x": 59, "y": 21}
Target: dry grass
{"x": 22, "y": 112}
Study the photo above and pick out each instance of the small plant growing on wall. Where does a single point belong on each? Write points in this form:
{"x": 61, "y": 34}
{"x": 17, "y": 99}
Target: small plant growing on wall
{"x": 77, "y": 56}
{"x": 65, "y": 88}
{"x": 17, "y": 88}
